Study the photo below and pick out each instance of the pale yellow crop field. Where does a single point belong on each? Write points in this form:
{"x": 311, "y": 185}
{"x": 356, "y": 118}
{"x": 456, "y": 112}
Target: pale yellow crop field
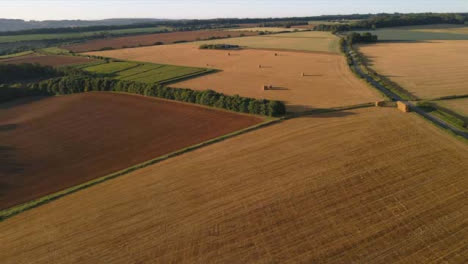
{"x": 327, "y": 80}
{"x": 301, "y": 41}
{"x": 429, "y": 69}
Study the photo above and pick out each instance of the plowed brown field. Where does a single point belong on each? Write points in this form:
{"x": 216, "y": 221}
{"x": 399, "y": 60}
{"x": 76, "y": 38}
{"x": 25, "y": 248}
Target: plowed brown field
{"x": 54, "y": 143}
{"x": 151, "y": 39}
{"x": 364, "y": 186}
{"x": 427, "y": 69}
{"x": 49, "y": 60}
{"x": 328, "y": 82}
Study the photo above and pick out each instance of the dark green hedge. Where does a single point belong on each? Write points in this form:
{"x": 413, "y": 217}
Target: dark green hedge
{"x": 79, "y": 84}
{"x": 21, "y": 72}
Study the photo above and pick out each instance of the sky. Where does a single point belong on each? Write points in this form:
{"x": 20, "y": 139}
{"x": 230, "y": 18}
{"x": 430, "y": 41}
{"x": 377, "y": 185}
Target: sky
{"x": 99, "y": 9}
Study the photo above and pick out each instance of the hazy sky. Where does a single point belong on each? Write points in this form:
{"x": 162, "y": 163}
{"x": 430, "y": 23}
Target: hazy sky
{"x": 98, "y": 9}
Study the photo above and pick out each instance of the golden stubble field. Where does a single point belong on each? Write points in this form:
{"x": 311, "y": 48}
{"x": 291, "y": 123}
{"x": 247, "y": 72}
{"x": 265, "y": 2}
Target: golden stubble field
{"x": 363, "y": 186}
{"x": 429, "y": 69}
{"x": 327, "y": 80}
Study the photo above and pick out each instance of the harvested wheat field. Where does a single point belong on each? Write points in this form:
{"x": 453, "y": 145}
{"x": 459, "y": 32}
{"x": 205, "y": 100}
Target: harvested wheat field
{"x": 152, "y": 39}
{"x": 457, "y": 105}
{"x": 426, "y": 69}
{"x": 363, "y": 186}
{"x": 50, "y": 144}
{"x": 327, "y": 80}
{"x": 48, "y": 60}
{"x": 316, "y": 41}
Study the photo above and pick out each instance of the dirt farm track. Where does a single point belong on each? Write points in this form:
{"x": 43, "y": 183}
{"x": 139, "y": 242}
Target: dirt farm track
{"x": 363, "y": 186}
{"x": 50, "y": 144}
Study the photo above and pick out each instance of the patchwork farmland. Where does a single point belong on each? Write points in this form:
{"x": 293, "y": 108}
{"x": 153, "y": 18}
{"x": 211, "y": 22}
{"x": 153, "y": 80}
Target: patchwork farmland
{"x": 228, "y": 141}
{"x": 287, "y": 193}
{"x": 327, "y": 80}
{"x": 153, "y": 39}
{"x": 428, "y": 70}
{"x": 79, "y": 35}
{"x": 68, "y": 140}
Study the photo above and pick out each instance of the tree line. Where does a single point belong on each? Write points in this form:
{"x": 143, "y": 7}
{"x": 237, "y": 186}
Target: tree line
{"x": 219, "y": 46}
{"x": 353, "y": 38}
{"x": 20, "y": 72}
{"x": 397, "y": 20}
{"x": 80, "y": 83}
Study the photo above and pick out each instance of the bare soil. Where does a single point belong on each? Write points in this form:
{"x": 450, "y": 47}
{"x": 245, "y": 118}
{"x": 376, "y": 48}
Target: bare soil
{"x": 50, "y": 144}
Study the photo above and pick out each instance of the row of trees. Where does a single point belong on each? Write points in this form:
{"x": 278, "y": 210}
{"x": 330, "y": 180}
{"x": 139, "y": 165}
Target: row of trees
{"x": 219, "y": 46}
{"x": 78, "y": 84}
{"x": 353, "y": 38}
{"x": 397, "y": 20}
{"x": 22, "y": 72}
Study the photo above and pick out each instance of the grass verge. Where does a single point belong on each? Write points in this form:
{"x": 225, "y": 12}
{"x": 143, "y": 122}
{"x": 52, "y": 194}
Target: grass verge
{"x": 457, "y": 120}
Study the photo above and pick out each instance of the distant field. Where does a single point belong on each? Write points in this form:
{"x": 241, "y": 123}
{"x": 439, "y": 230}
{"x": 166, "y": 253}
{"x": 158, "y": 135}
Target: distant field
{"x": 264, "y": 29}
{"x": 457, "y": 105}
{"x": 145, "y": 72}
{"x": 327, "y": 80}
{"x": 421, "y": 33}
{"x": 151, "y": 39}
{"x": 57, "y": 142}
{"x": 49, "y": 60}
{"x": 363, "y": 186}
{"x": 303, "y": 41}
{"x": 29, "y": 37}
{"x": 19, "y": 54}
{"x": 427, "y": 69}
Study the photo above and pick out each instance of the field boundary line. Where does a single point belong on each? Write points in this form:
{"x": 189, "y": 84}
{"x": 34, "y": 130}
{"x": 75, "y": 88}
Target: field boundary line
{"x": 15, "y": 210}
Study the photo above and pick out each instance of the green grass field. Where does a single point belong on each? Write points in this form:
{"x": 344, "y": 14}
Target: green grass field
{"x": 54, "y": 51}
{"x": 301, "y": 41}
{"x": 421, "y": 33}
{"x": 145, "y": 72}
{"x": 17, "y": 54}
{"x": 117, "y": 32}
